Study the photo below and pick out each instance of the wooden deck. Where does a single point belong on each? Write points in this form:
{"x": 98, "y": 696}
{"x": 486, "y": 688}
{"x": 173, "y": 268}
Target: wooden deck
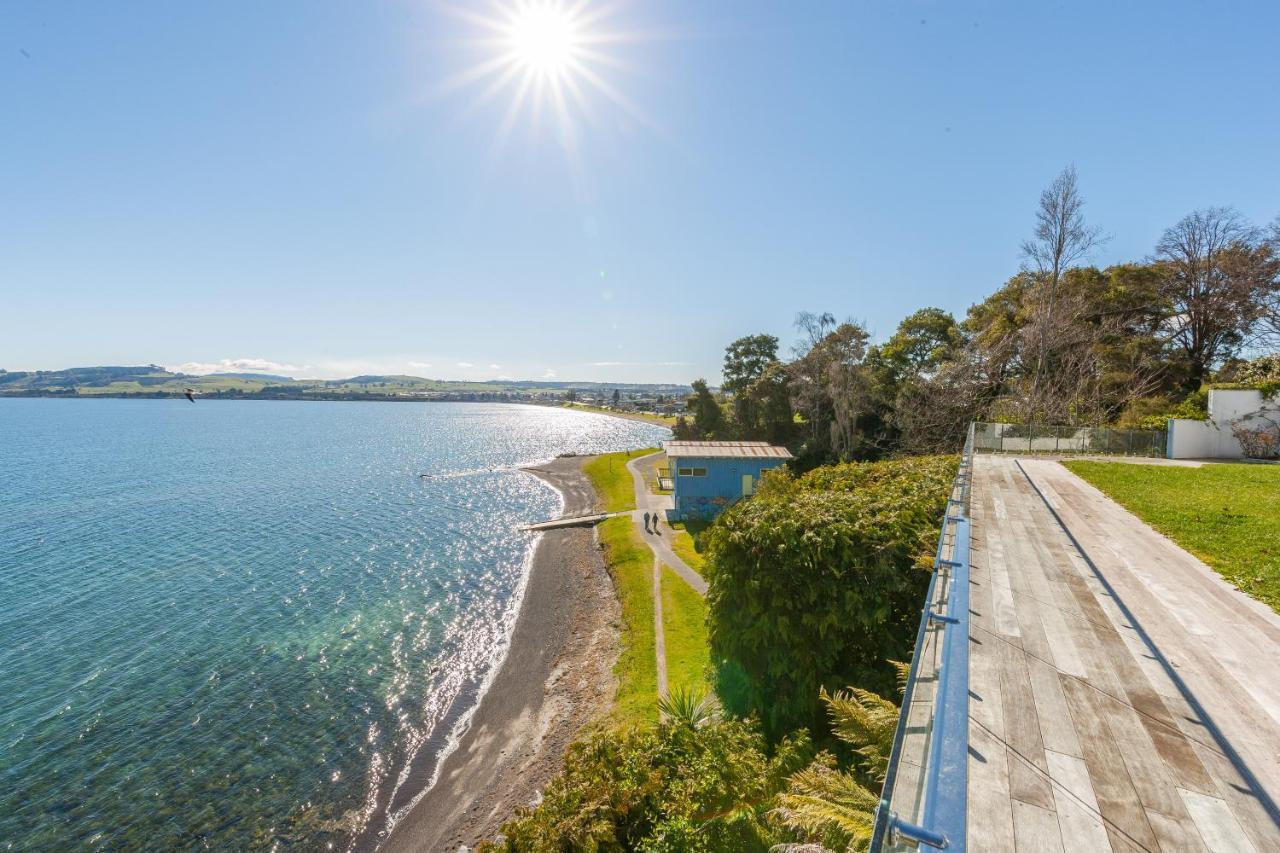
{"x": 1123, "y": 697}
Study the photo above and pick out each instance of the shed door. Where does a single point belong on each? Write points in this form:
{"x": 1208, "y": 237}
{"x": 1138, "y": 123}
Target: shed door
{"x": 748, "y": 485}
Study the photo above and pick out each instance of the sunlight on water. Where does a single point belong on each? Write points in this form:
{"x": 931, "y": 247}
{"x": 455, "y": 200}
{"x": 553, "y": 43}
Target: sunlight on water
{"x": 235, "y": 623}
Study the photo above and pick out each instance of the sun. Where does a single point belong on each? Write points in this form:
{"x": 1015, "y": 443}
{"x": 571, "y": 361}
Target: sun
{"x": 548, "y": 57}
{"x": 544, "y": 38}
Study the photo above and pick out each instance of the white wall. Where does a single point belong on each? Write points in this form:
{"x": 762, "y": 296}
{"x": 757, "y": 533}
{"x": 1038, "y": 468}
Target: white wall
{"x": 1212, "y": 439}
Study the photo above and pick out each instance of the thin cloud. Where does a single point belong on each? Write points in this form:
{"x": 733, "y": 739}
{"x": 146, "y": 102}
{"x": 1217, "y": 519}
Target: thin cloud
{"x": 549, "y": 374}
{"x": 465, "y": 364}
{"x": 421, "y": 365}
{"x": 236, "y": 365}
{"x": 495, "y": 367}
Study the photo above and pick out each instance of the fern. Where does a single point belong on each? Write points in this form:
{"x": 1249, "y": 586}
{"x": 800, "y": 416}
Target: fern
{"x": 866, "y": 722}
{"x": 826, "y": 805}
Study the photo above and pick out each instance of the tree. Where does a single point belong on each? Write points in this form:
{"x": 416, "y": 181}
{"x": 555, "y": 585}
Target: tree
{"x": 708, "y": 419}
{"x": 1060, "y": 239}
{"x": 830, "y": 384}
{"x": 616, "y": 397}
{"x": 922, "y": 342}
{"x": 1219, "y": 277}
{"x": 769, "y": 404}
{"x": 1271, "y": 321}
{"x": 745, "y": 361}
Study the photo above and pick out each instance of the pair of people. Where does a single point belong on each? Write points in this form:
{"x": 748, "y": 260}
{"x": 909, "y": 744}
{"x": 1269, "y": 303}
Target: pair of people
{"x": 655, "y": 523}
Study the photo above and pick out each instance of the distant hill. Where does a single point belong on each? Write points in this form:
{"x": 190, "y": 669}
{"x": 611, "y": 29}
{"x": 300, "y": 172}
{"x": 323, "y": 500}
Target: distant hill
{"x": 152, "y": 380}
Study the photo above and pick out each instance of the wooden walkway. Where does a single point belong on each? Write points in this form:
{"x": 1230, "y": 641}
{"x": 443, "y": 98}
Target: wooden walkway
{"x": 1123, "y": 697}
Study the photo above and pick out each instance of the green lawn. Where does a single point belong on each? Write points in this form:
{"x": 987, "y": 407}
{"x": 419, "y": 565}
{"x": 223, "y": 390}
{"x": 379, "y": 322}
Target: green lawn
{"x": 1227, "y": 515}
{"x": 686, "y": 542}
{"x": 631, "y": 566}
{"x": 684, "y": 628}
{"x": 608, "y": 473}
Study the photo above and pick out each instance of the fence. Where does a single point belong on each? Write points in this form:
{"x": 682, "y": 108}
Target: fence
{"x": 1042, "y": 438}
{"x": 925, "y": 797}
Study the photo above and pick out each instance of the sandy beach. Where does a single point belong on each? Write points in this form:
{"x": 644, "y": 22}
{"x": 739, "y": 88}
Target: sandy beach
{"x": 556, "y": 678}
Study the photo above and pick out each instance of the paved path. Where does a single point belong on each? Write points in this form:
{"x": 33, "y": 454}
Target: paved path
{"x": 641, "y": 469}
{"x": 1124, "y": 697}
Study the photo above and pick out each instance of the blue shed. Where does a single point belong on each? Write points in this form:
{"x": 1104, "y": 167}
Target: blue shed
{"x": 707, "y": 476}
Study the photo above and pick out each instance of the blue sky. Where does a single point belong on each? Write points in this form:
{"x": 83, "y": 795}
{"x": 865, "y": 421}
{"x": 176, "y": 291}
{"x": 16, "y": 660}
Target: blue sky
{"x": 297, "y": 186}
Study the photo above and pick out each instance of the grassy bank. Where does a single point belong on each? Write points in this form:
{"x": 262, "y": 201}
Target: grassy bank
{"x": 686, "y": 543}
{"x": 631, "y": 566}
{"x": 1227, "y": 515}
{"x": 660, "y": 420}
{"x": 684, "y": 627}
{"x": 612, "y": 481}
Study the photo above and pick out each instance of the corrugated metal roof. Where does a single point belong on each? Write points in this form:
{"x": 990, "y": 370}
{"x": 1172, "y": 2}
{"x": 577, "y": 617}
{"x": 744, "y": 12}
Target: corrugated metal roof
{"x": 725, "y": 450}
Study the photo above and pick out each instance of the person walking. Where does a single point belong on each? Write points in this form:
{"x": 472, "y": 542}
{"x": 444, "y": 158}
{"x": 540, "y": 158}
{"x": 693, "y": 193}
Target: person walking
{"x": 646, "y": 522}
{"x": 656, "y": 516}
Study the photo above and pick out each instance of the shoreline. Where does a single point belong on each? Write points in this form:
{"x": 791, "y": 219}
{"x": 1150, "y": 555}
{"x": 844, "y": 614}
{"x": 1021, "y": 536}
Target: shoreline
{"x": 556, "y": 677}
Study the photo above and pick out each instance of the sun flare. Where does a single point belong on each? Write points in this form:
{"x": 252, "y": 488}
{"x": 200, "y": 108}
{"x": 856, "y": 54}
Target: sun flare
{"x": 548, "y": 57}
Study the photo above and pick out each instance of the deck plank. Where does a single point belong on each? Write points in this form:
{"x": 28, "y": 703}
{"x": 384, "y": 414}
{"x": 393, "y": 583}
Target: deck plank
{"x": 1102, "y": 707}
{"x": 1035, "y": 829}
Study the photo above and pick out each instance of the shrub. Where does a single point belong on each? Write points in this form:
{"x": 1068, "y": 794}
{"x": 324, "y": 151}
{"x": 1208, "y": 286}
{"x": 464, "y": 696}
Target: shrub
{"x": 818, "y": 581}
{"x": 1260, "y": 441}
{"x": 673, "y": 786}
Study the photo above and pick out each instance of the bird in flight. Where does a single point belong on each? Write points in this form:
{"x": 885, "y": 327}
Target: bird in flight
{"x": 191, "y": 394}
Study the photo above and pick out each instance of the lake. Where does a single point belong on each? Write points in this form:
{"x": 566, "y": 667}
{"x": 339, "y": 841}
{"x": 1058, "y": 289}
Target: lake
{"x": 235, "y": 623}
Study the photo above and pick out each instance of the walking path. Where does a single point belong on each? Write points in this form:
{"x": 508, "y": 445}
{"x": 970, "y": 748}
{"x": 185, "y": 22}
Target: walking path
{"x": 657, "y": 506}
{"x": 641, "y": 469}
{"x": 1123, "y": 696}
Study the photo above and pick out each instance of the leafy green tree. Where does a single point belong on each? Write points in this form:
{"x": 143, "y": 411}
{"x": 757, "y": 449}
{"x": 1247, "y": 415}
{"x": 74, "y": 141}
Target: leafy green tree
{"x": 922, "y": 342}
{"x": 772, "y": 418}
{"x": 817, "y": 580}
{"x": 746, "y": 359}
{"x": 708, "y": 418}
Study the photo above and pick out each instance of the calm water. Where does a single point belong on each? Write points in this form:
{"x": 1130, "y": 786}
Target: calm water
{"x": 233, "y": 624}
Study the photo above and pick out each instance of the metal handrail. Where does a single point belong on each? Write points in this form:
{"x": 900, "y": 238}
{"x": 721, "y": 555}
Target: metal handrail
{"x": 940, "y": 820}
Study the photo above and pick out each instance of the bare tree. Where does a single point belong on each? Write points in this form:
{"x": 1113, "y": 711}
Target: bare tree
{"x": 1062, "y": 237}
{"x": 1271, "y": 321}
{"x": 1219, "y": 274}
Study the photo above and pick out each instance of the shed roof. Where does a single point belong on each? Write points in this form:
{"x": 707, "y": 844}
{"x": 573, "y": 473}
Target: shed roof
{"x": 725, "y": 450}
